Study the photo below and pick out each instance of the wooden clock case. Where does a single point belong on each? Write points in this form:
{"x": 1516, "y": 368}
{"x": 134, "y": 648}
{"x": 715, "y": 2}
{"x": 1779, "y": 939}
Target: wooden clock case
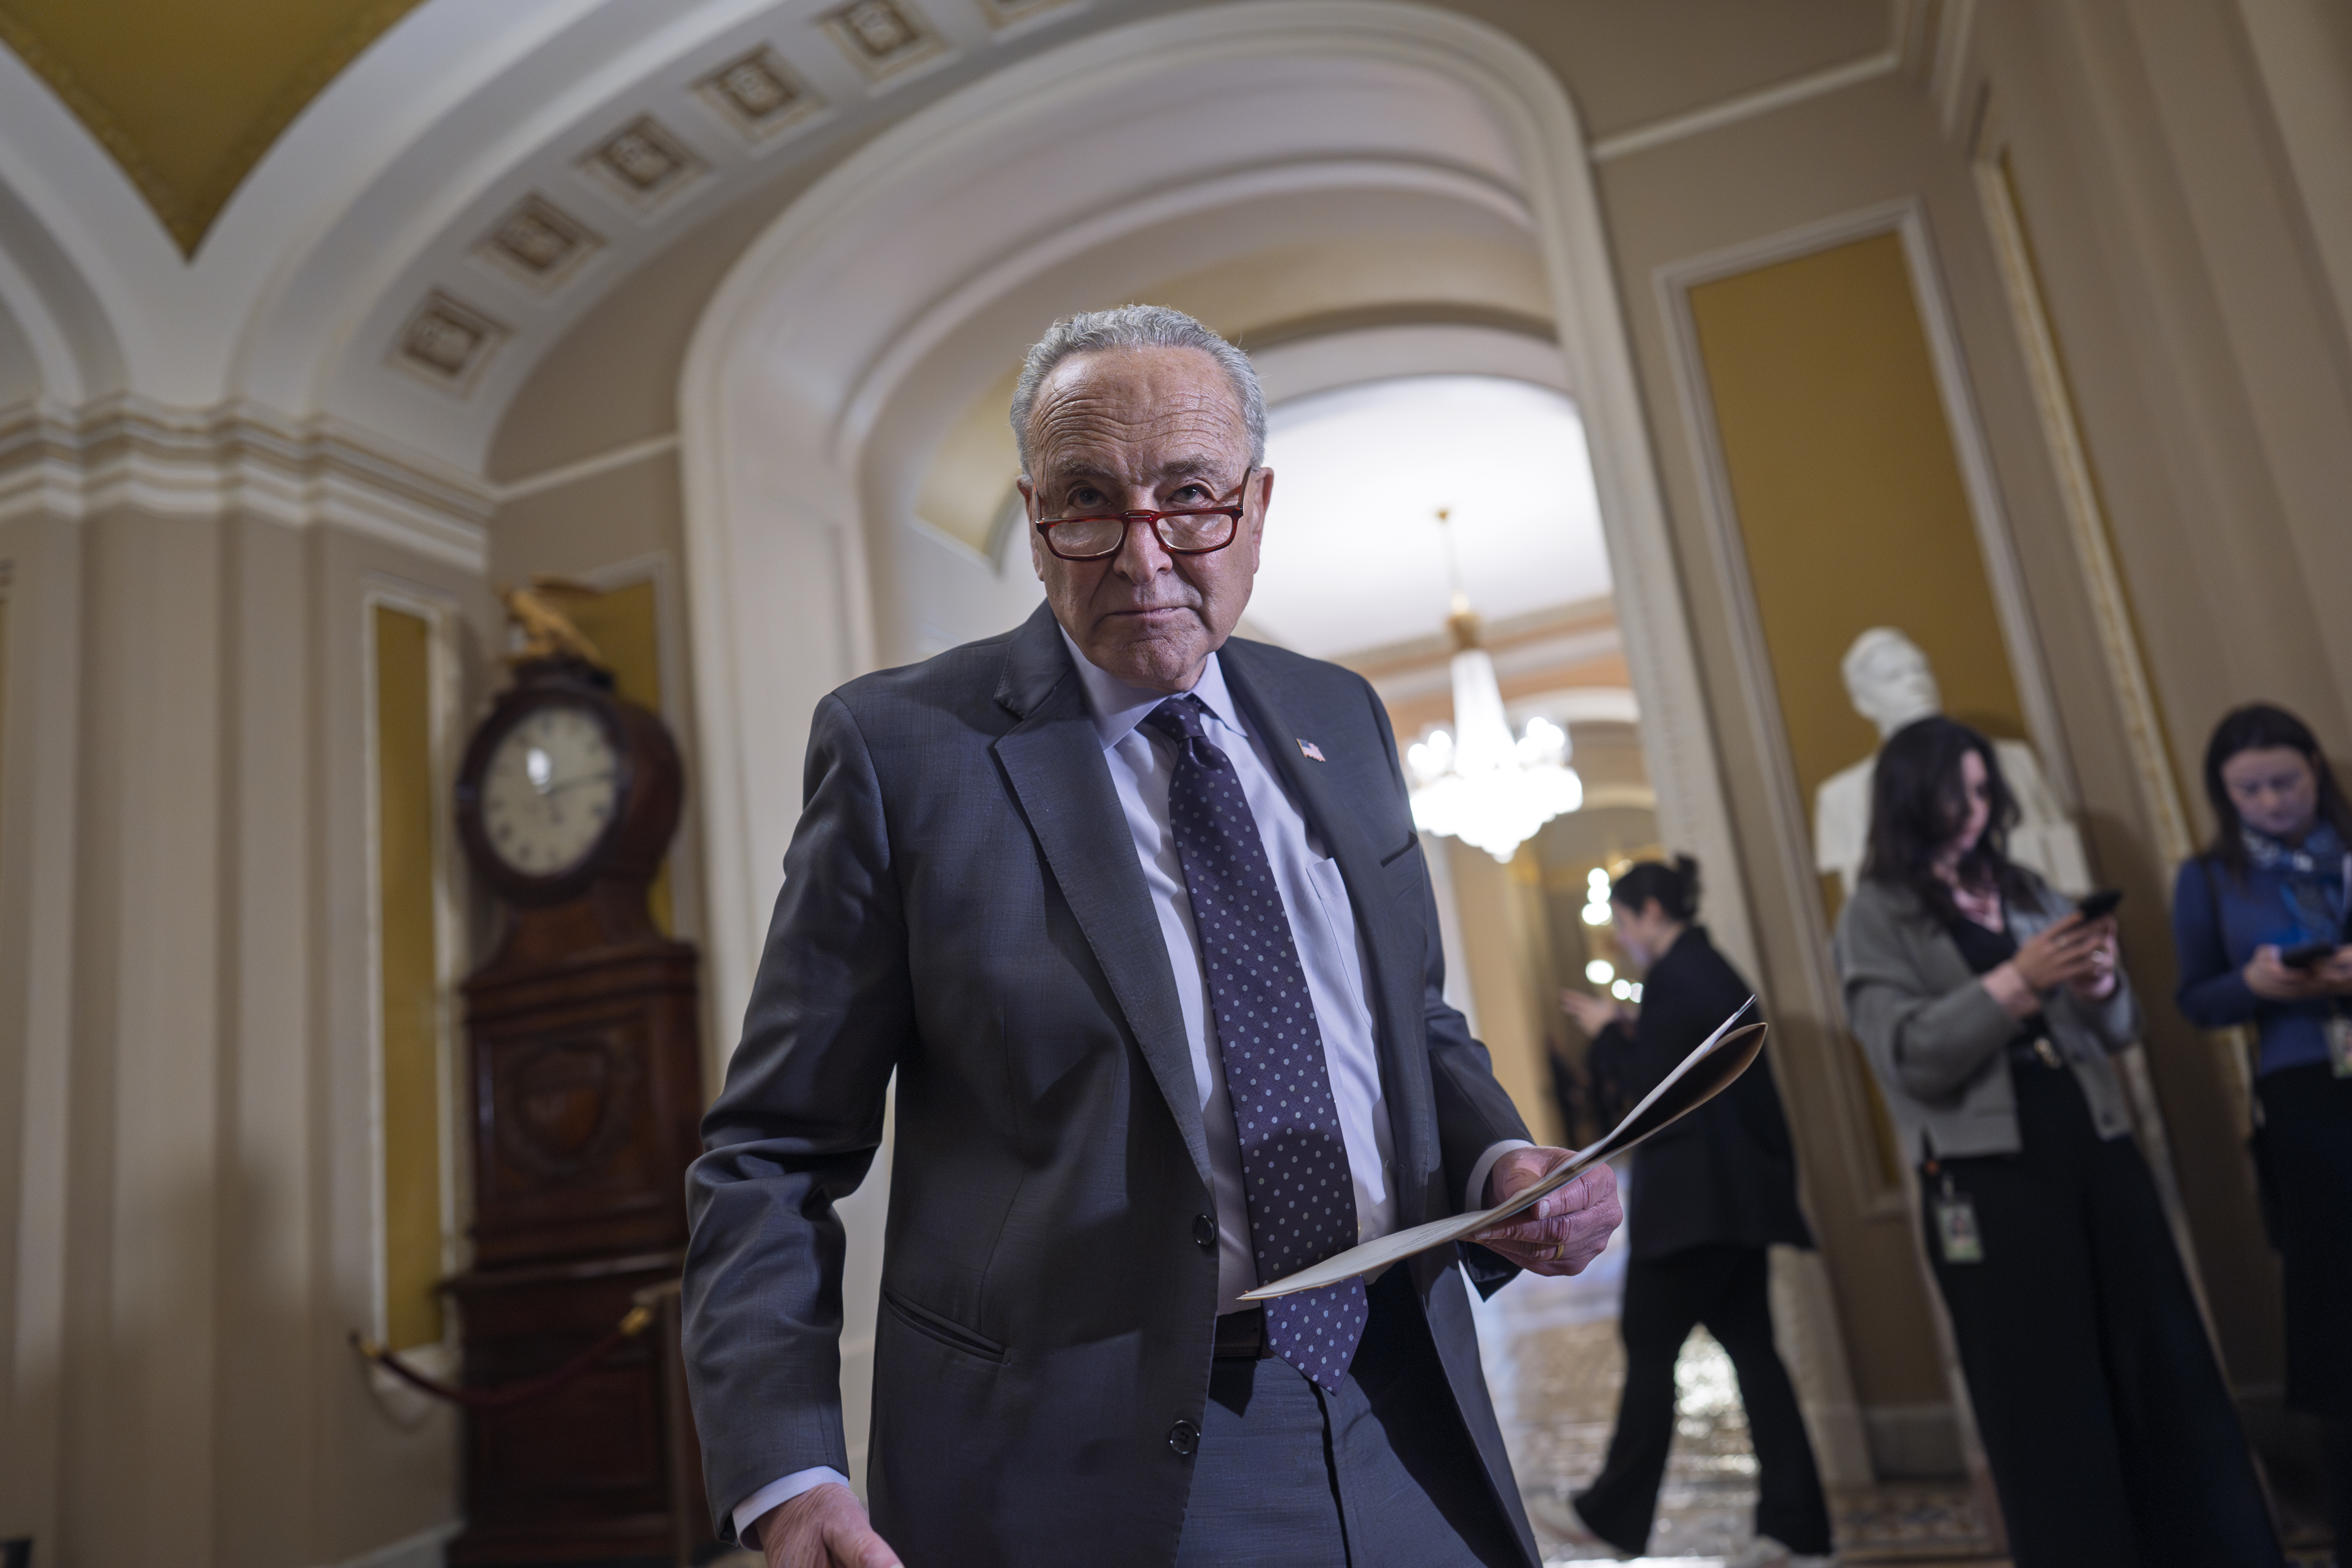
{"x": 585, "y": 1061}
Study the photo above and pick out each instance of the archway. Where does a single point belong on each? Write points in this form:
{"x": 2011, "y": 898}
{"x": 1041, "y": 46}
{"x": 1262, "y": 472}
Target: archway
{"x": 926, "y": 260}
{"x": 881, "y": 307}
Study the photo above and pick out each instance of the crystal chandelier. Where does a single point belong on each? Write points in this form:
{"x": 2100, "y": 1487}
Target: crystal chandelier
{"x": 1479, "y": 784}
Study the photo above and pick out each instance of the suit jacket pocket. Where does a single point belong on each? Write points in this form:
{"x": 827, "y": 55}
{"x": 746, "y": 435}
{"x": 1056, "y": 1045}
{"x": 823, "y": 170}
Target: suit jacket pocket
{"x": 1402, "y": 869}
{"x": 946, "y": 1331}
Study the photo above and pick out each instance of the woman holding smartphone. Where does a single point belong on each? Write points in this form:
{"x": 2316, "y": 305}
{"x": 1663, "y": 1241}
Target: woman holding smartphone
{"x": 2259, "y": 919}
{"x": 1990, "y": 1006}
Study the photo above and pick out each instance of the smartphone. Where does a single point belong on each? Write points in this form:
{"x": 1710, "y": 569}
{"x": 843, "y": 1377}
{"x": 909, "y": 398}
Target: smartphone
{"x": 2101, "y": 904}
{"x": 2306, "y": 954}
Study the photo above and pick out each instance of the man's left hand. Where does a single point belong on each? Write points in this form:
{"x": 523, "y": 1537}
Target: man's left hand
{"x": 1565, "y": 1229}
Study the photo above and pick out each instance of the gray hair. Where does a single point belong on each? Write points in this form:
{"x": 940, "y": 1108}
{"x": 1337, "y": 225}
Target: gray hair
{"x": 1136, "y": 327}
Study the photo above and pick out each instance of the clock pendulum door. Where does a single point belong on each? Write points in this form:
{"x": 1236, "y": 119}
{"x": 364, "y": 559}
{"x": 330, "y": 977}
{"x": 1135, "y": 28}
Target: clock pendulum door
{"x": 584, "y": 1060}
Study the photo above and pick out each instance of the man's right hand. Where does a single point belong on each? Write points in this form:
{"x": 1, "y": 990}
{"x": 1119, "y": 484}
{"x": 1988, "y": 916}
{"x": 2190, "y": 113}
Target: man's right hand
{"x": 825, "y": 1527}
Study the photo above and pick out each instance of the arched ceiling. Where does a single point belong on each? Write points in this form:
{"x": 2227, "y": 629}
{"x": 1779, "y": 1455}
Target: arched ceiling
{"x": 187, "y": 97}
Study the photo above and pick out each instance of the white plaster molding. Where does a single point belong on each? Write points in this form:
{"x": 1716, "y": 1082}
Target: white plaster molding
{"x": 746, "y": 385}
{"x": 123, "y": 451}
{"x": 2086, "y": 524}
{"x": 1748, "y": 105}
{"x": 178, "y": 321}
{"x": 1947, "y": 72}
{"x": 81, "y": 229}
{"x": 603, "y": 463}
{"x": 444, "y": 710}
{"x": 1224, "y": 188}
{"x": 58, "y": 363}
{"x": 1304, "y": 366}
{"x": 452, "y": 115}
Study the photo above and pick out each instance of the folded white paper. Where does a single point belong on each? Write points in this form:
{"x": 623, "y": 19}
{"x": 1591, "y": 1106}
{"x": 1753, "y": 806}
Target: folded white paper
{"x": 1698, "y": 1078}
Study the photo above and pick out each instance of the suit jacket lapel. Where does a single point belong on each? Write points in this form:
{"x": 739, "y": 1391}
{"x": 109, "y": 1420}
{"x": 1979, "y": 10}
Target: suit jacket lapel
{"x": 1396, "y": 945}
{"x": 1054, "y": 761}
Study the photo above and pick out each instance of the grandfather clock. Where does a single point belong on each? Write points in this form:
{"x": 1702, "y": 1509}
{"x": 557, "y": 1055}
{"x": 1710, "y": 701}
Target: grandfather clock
{"x": 584, "y": 1061}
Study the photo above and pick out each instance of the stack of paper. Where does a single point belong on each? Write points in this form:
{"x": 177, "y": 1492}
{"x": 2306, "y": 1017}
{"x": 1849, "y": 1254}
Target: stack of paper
{"x": 1706, "y": 1072}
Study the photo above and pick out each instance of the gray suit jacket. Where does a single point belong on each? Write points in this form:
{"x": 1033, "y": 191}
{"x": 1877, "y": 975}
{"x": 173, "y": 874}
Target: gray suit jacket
{"x": 1934, "y": 1036}
{"x": 962, "y": 905}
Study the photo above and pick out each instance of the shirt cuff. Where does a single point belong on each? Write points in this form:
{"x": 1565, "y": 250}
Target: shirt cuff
{"x": 2007, "y": 984}
{"x": 753, "y": 1508}
{"x": 1475, "y": 1195}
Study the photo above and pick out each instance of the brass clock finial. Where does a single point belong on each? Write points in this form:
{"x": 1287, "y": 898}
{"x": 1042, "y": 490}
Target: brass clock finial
{"x": 547, "y": 631}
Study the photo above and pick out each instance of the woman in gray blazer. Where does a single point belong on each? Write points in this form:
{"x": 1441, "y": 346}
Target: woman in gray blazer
{"x": 1989, "y": 1008}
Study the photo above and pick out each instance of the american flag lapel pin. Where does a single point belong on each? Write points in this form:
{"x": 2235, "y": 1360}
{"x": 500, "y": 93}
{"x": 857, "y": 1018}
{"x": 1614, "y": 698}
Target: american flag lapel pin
{"x": 1309, "y": 749}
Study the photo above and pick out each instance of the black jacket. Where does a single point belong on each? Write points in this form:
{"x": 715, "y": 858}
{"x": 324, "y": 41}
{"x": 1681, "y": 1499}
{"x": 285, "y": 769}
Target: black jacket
{"x": 1727, "y": 1172}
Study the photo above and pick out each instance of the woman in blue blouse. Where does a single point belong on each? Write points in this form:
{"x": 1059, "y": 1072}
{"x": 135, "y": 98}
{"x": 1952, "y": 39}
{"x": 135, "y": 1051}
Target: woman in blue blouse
{"x": 2278, "y": 878}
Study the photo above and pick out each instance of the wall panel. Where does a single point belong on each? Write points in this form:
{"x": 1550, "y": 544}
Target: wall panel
{"x": 1850, "y": 503}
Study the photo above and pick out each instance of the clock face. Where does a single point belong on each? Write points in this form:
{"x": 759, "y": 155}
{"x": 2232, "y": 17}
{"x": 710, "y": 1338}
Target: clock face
{"x": 550, "y": 790}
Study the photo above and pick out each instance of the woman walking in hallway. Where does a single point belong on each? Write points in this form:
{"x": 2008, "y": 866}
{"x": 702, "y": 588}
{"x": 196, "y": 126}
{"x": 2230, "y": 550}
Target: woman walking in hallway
{"x": 2258, "y": 921}
{"x": 1709, "y": 1195}
{"x": 1988, "y": 1007}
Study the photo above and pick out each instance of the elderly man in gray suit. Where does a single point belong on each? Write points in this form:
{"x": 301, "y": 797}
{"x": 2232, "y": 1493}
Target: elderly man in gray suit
{"x": 1136, "y": 913}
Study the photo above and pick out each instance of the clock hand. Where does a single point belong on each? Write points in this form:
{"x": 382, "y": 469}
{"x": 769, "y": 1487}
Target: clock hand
{"x": 562, "y": 784}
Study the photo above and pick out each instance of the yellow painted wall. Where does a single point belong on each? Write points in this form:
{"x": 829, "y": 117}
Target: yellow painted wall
{"x": 407, "y": 794}
{"x": 1849, "y": 504}
{"x": 1505, "y": 947}
{"x": 1849, "y": 497}
{"x": 625, "y": 627}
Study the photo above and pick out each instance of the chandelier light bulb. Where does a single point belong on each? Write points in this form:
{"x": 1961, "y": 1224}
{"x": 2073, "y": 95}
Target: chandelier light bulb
{"x": 1479, "y": 783}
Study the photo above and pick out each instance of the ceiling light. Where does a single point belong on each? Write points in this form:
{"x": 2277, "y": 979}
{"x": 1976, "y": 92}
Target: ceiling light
{"x": 1478, "y": 784}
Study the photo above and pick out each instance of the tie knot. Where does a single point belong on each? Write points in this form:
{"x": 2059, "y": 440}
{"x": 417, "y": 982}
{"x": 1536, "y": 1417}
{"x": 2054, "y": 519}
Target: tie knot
{"x": 1179, "y": 719}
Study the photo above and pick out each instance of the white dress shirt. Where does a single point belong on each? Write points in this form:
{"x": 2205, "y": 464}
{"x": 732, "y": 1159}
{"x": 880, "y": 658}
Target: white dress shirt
{"x": 1330, "y": 951}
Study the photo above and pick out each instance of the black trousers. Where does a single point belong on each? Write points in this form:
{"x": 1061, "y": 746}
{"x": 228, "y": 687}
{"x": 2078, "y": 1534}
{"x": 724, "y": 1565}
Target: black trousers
{"x": 2307, "y": 1124}
{"x": 2110, "y": 1433}
{"x": 1381, "y": 1474}
{"x": 1725, "y": 1288}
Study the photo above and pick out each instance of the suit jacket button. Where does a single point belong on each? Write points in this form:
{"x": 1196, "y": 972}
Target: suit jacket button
{"x": 1204, "y": 1231}
{"x": 1183, "y": 1437}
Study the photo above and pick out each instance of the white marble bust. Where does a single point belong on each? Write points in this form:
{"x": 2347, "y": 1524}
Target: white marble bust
{"x": 1892, "y": 684}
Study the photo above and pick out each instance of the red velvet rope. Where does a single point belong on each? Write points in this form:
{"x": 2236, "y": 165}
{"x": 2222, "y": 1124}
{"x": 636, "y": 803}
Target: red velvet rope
{"x": 628, "y": 1328}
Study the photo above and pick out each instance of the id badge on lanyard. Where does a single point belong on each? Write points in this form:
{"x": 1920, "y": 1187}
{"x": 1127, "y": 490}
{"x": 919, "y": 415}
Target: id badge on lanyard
{"x": 1958, "y": 1235}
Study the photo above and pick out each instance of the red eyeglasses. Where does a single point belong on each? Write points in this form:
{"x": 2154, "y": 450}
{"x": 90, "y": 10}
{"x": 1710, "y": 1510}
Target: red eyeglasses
{"x": 1185, "y": 531}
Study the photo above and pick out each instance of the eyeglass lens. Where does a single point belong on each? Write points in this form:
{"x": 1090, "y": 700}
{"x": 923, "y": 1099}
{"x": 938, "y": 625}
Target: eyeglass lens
{"x": 1178, "y": 531}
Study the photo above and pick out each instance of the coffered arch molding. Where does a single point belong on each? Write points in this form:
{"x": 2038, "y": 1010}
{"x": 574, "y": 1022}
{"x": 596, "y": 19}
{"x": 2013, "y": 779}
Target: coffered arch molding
{"x": 925, "y": 228}
{"x": 65, "y": 329}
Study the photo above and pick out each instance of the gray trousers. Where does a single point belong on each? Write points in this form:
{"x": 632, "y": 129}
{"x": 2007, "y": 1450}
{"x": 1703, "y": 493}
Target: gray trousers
{"x": 1381, "y": 1474}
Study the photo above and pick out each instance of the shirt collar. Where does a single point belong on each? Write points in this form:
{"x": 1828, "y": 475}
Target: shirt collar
{"x": 1116, "y": 708}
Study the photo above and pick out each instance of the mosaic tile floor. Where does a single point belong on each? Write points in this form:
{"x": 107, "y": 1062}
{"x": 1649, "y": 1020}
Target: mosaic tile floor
{"x": 1554, "y": 1363}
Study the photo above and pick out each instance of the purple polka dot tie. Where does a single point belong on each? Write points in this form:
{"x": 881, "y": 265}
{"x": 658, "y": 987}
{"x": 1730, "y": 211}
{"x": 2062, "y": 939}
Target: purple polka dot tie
{"x": 1295, "y": 1174}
